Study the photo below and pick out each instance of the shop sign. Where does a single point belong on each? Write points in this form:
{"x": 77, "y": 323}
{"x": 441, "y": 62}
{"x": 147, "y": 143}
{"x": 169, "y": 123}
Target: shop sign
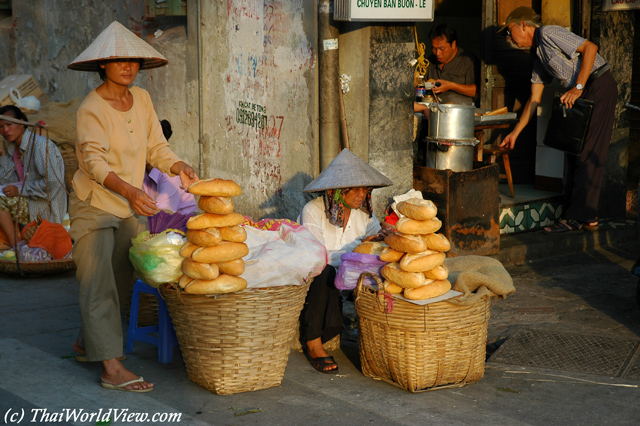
{"x": 383, "y": 10}
{"x": 612, "y": 5}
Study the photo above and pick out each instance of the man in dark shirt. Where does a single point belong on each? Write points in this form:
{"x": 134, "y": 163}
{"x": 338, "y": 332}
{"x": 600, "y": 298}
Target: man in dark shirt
{"x": 455, "y": 69}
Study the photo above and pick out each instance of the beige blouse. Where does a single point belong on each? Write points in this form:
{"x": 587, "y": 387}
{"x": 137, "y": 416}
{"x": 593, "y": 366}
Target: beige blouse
{"x": 108, "y": 140}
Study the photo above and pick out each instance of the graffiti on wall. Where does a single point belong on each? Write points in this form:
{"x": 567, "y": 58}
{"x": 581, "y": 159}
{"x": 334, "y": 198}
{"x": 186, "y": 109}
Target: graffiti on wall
{"x": 265, "y": 86}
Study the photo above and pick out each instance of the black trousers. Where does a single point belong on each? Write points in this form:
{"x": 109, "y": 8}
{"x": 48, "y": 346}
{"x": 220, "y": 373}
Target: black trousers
{"x": 583, "y": 173}
{"x": 322, "y": 312}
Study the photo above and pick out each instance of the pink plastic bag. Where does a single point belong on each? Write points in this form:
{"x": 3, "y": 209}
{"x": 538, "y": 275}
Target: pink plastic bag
{"x": 353, "y": 265}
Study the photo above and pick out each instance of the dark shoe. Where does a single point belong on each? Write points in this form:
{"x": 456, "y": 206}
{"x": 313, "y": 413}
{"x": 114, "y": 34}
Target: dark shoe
{"x": 321, "y": 363}
{"x": 638, "y": 292}
{"x": 563, "y": 226}
{"x": 590, "y": 226}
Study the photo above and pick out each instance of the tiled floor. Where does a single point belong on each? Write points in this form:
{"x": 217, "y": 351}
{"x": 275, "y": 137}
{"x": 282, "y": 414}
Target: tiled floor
{"x": 530, "y": 209}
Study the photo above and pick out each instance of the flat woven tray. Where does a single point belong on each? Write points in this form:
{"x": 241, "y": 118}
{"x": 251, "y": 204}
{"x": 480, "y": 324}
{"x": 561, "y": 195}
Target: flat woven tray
{"x": 420, "y": 348}
{"x": 36, "y": 269}
{"x": 236, "y": 342}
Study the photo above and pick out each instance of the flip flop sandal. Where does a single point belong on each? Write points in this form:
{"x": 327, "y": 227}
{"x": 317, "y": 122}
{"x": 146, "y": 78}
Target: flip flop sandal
{"x": 321, "y": 362}
{"x": 121, "y": 386}
{"x": 566, "y": 226}
{"x": 590, "y": 226}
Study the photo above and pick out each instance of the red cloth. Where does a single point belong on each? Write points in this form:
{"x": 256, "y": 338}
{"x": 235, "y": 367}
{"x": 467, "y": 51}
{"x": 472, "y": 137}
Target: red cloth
{"x": 53, "y": 238}
{"x": 391, "y": 219}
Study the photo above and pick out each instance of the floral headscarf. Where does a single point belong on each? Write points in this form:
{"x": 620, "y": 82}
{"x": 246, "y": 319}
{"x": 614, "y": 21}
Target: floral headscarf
{"x": 334, "y": 205}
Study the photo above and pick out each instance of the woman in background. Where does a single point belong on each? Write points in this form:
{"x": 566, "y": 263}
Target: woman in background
{"x": 31, "y": 176}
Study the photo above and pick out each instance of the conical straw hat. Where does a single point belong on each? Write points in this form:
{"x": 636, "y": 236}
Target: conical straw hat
{"x": 116, "y": 41}
{"x": 348, "y": 170}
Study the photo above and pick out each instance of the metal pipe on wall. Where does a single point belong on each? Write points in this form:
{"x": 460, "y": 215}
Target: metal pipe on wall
{"x": 200, "y": 100}
{"x": 329, "y": 131}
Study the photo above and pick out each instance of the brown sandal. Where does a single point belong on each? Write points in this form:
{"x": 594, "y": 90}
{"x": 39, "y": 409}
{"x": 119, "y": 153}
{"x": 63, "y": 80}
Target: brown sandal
{"x": 563, "y": 226}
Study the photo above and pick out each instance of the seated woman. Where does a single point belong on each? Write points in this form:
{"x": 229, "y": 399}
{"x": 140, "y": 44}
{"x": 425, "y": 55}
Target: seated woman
{"x": 341, "y": 219}
{"x": 32, "y": 167}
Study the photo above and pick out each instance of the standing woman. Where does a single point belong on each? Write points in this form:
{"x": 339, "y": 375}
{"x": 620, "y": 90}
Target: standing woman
{"x": 31, "y": 175}
{"x": 341, "y": 218}
{"x": 584, "y": 74}
{"x": 118, "y": 132}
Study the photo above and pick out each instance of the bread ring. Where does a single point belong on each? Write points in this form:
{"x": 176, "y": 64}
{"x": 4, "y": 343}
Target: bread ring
{"x": 200, "y": 271}
{"x": 212, "y": 220}
{"x": 418, "y": 209}
{"x": 413, "y": 226}
{"x": 236, "y": 233}
{"x": 406, "y": 243}
{"x": 440, "y": 272}
{"x": 231, "y": 267}
{"x": 222, "y": 252}
{"x": 222, "y": 284}
{"x": 428, "y": 291}
{"x": 390, "y": 255}
{"x": 215, "y": 188}
{"x": 204, "y": 237}
{"x": 393, "y": 273}
{"x": 370, "y": 247}
{"x": 187, "y": 249}
{"x": 218, "y": 205}
{"x": 437, "y": 242}
{"x": 420, "y": 262}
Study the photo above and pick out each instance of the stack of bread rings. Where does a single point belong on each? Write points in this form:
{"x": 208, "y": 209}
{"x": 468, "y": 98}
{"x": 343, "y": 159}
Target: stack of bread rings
{"x": 416, "y": 253}
{"x": 215, "y": 241}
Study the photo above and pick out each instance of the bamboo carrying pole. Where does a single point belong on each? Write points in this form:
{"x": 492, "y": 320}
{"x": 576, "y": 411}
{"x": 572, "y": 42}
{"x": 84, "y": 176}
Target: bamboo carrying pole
{"x": 343, "y": 121}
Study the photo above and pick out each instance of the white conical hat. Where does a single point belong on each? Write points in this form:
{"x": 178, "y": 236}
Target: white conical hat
{"x": 348, "y": 170}
{"x": 116, "y": 41}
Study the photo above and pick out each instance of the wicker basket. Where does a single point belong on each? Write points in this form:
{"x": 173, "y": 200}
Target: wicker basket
{"x": 70, "y": 160}
{"x": 36, "y": 269}
{"x": 421, "y": 348}
{"x": 236, "y": 342}
{"x": 329, "y": 346}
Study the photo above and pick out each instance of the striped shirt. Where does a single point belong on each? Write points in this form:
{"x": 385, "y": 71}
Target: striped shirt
{"x": 37, "y": 175}
{"x": 556, "y": 56}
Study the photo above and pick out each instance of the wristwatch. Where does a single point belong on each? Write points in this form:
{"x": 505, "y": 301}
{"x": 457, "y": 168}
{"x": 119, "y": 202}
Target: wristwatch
{"x": 579, "y": 86}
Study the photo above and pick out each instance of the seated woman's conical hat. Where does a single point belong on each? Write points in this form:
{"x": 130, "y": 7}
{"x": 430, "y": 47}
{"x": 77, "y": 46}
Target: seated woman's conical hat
{"x": 117, "y": 42}
{"x": 348, "y": 170}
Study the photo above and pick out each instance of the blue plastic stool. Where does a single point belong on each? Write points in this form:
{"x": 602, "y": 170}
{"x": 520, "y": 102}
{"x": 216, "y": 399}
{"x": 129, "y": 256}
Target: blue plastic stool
{"x": 166, "y": 339}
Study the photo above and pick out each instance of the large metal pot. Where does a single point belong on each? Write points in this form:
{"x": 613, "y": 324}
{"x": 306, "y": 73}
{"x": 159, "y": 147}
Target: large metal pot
{"x": 451, "y": 121}
{"x": 453, "y": 154}
{"x": 451, "y": 138}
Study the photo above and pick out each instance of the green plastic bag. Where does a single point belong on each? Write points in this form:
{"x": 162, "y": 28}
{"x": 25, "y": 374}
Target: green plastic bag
{"x": 157, "y": 259}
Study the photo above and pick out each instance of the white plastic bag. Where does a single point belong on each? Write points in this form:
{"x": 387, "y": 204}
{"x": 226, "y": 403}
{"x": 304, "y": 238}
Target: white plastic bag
{"x": 157, "y": 260}
{"x": 27, "y": 103}
{"x": 287, "y": 255}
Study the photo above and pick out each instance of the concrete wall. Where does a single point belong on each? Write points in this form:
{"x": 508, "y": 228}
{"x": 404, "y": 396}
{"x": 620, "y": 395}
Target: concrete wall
{"x": 257, "y": 58}
{"x": 391, "y": 95}
{"x": 261, "y": 100}
{"x": 243, "y": 102}
{"x": 613, "y": 32}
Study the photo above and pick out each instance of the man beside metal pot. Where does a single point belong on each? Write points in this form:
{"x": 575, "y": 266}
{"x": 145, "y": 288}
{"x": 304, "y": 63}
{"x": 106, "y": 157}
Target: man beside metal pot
{"x": 454, "y": 70}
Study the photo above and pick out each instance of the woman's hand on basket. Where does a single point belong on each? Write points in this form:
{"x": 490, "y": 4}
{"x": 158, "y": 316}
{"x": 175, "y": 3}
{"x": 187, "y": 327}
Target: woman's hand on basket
{"x": 11, "y": 191}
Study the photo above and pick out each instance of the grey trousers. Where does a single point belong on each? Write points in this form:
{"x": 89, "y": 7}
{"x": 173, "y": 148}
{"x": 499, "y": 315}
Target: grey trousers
{"x": 101, "y": 253}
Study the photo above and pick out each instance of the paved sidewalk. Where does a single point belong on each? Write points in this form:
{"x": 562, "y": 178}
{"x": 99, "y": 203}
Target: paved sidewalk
{"x": 587, "y": 293}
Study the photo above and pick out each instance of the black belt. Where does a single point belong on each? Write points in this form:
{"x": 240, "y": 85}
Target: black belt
{"x": 597, "y": 73}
